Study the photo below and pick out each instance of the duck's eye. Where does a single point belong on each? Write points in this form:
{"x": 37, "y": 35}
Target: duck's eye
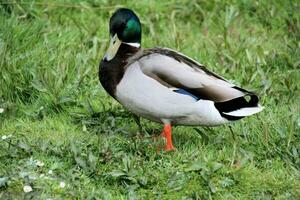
{"x": 123, "y": 25}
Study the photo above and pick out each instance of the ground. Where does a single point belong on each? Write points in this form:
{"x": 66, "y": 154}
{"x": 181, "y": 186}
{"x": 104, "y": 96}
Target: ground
{"x": 63, "y": 137}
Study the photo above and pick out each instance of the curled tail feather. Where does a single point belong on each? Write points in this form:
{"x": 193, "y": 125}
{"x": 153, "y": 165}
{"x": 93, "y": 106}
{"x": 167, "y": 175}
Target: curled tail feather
{"x": 239, "y": 108}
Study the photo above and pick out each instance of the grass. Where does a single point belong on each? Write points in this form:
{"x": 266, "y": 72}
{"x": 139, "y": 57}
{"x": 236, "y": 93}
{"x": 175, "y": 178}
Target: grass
{"x": 59, "y": 125}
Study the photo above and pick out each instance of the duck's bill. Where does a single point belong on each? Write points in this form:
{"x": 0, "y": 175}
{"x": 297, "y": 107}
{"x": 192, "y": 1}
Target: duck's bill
{"x": 113, "y": 47}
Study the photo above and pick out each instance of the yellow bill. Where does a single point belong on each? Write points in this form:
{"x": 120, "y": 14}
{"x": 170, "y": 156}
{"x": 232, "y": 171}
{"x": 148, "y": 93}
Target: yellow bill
{"x": 113, "y": 47}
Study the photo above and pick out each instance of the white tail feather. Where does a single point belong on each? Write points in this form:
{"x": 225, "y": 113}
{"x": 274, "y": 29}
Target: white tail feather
{"x": 243, "y": 112}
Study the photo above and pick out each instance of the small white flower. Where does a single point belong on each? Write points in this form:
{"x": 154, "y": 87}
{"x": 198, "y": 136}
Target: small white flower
{"x": 62, "y": 184}
{"x": 27, "y": 188}
{"x": 24, "y": 174}
{"x": 1, "y": 110}
{"x": 4, "y": 137}
{"x": 32, "y": 177}
{"x": 50, "y": 172}
{"x": 42, "y": 175}
{"x": 39, "y": 163}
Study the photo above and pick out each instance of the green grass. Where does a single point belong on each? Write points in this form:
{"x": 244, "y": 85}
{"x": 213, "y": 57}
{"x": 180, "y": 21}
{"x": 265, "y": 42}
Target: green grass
{"x": 57, "y": 113}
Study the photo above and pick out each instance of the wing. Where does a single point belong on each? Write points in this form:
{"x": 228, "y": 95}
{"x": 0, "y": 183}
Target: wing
{"x": 175, "y": 70}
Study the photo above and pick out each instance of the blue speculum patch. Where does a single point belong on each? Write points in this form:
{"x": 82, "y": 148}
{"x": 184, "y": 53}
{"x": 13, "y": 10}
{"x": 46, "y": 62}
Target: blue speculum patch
{"x": 182, "y": 91}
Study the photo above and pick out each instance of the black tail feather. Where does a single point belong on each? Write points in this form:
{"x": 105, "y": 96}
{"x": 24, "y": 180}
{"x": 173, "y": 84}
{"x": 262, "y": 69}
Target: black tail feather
{"x": 235, "y": 104}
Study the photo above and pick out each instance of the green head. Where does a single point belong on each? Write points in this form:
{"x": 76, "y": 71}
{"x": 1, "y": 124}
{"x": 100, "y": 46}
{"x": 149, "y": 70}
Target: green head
{"x": 124, "y": 26}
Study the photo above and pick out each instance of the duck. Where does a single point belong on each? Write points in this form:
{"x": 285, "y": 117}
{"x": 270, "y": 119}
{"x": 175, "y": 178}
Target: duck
{"x": 166, "y": 86}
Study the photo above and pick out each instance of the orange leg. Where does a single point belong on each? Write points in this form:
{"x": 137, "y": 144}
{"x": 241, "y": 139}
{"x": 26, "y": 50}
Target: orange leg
{"x": 167, "y": 133}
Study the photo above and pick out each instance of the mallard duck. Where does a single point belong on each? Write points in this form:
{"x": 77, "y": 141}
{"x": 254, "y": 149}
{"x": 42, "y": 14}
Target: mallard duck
{"x": 166, "y": 86}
